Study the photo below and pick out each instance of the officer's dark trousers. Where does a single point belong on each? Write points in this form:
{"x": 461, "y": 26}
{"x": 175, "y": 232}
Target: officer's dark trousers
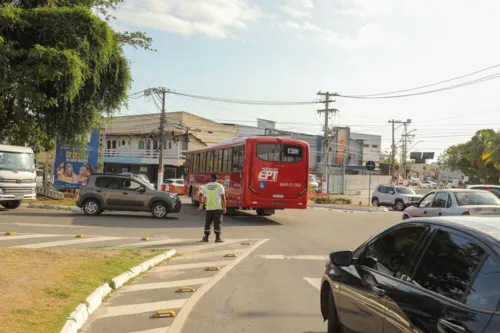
{"x": 214, "y": 216}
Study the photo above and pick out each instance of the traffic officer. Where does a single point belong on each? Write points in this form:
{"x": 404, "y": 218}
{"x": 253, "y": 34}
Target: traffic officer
{"x": 215, "y": 199}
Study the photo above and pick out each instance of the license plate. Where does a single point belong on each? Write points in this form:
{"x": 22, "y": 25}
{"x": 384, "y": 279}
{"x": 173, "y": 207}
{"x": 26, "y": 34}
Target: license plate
{"x": 19, "y": 196}
{"x": 278, "y": 196}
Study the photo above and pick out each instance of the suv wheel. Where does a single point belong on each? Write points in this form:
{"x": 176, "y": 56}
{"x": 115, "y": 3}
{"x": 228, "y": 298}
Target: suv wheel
{"x": 375, "y": 202}
{"x": 91, "y": 207}
{"x": 399, "y": 206}
{"x": 159, "y": 210}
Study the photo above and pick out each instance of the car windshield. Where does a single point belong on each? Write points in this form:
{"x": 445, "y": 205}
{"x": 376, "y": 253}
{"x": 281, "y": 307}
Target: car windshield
{"x": 404, "y": 190}
{"x": 467, "y": 198}
{"x": 17, "y": 161}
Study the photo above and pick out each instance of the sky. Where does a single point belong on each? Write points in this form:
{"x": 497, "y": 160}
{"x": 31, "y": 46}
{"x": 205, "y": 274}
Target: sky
{"x": 288, "y": 50}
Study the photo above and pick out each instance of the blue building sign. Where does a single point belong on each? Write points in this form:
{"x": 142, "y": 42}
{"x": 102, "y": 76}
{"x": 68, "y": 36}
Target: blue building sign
{"x": 74, "y": 164}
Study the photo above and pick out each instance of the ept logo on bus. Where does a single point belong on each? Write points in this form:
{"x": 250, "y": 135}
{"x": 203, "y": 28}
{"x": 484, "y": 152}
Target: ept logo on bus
{"x": 268, "y": 174}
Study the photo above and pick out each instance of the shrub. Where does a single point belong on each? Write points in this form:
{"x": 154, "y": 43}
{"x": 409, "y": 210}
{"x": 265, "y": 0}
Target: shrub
{"x": 332, "y": 200}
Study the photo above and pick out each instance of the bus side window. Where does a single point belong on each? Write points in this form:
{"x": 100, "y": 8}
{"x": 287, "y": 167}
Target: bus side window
{"x": 241, "y": 159}
{"x": 228, "y": 156}
{"x": 194, "y": 164}
{"x": 203, "y": 165}
{"x": 236, "y": 154}
{"x": 218, "y": 160}
{"x": 210, "y": 161}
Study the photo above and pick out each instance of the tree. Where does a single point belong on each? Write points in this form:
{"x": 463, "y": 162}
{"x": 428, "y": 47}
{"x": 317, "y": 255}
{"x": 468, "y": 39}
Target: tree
{"x": 62, "y": 69}
{"x": 478, "y": 158}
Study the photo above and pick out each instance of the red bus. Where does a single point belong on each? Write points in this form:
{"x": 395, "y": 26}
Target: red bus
{"x": 258, "y": 173}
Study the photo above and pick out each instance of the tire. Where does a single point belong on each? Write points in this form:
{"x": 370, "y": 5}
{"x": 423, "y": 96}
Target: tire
{"x": 333, "y": 318}
{"x": 91, "y": 207}
{"x": 375, "y": 202}
{"x": 399, "y": 206}
{"x": 11, "y": 204}
{"x": 261, "y": 212}
{"x": 159, "y": 210}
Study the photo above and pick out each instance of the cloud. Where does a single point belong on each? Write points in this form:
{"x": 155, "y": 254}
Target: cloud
{"x": 215, "y": 19}
{"x": 297, "y": 8}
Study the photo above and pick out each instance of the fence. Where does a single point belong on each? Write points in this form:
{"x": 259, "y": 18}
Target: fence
{"x": 145, "y": 153}
{"x": 355, "y": 184}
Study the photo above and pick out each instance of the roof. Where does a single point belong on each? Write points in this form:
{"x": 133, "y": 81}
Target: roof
{"x": 16, "y": 149}
{"x": 481, "y": 224}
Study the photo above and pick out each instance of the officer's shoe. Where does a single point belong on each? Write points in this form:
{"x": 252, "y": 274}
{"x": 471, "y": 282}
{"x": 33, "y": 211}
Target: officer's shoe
{"x": 204, "y": 239}
{"x": 219, "y": 240}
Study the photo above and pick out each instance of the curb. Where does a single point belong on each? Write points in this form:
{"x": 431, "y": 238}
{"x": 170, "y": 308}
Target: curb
{"x": 350, "y": 208}
{"x": 52, "y": 207}
{"x": 83, "y": 311}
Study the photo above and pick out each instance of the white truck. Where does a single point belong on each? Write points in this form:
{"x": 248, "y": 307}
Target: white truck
{"x": 17, "y": 175}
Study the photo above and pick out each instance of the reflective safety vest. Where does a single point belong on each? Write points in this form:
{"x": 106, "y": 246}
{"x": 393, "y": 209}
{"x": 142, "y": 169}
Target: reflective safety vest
{"x": 212, "y": 197}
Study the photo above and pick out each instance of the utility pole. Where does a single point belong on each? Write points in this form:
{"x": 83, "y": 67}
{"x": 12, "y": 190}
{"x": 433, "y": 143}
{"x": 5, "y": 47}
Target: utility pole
{"x": 161, "y": 92}
{"x": 393, "y": 153}
{"x": 404, "y": 155}
{"x": 326, "y": 130}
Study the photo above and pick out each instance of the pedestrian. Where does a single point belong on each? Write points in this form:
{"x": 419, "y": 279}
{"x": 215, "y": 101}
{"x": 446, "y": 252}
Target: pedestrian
{"x": 215, "y": 199}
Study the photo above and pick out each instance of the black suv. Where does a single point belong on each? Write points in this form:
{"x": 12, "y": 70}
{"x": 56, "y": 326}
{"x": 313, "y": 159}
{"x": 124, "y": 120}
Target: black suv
{"x": 127, "y": 193}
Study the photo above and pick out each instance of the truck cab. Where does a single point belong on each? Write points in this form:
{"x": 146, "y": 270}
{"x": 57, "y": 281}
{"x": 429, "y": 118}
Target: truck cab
{"x": 17, "y": 175}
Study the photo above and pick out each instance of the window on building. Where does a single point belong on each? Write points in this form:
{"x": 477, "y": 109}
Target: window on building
{"x": 123, "y": 142}
{"x": 374, "y": 146}
{"x": 141, "y": 144}
{"x": 366, "y": 145}
{"x": 155, "y": 144}
{"x": 108, "y": 144}
{"x": 113, "y": 144}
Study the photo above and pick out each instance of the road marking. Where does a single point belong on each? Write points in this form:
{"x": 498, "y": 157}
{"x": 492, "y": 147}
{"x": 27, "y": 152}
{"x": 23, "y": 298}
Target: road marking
{"x": 315, "y": 282}
{"x": 26, "y": 236}
{"x": 297, "y": 257}
{"x": 150, "y": 243}
{"x": 68, "y": 242}
{"x": 211, "y": 254}
{"x": 49, "y": 225}
{"x": 162, "y": 285}
{"x": 123, "y": 310}
{"x": 197, "y": 248}
{"x": 154, "y": 330}
{"x": 190, "y": 266}
{"x": 178, "y": 323}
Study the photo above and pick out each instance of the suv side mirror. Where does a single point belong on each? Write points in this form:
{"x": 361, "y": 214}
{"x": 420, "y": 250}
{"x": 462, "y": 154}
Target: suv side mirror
{"x": 341, "y": 258}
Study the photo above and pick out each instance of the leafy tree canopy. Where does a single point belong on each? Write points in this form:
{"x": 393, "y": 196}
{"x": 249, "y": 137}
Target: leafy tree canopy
{"x": 62, "y": 68}
{"x": 478, "y": 158}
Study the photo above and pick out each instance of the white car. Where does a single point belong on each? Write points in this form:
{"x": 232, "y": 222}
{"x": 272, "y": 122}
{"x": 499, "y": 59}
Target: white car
{"x": 313, "y": 182}
{"x": 428, "y": 184}
{"x": 455, "y": 202}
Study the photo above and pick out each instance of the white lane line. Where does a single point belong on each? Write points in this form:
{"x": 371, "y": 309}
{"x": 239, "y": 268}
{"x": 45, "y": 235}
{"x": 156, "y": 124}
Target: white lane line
{"x": 163, "y": 285}
{"x": 211, "y": 254}
{"x": 154, "y": 330}
{"x": 197, "y": 248}
{"x": 27, "y": 236}
{"x": 124, "y": 310}
{"x": 292, "y": 257}
{"x": 179, "y": 321}
{"x": 315, "y": 282}
{"x": 154, "y": 242}
{"x": 191, "y": 266}
{"x": 68, "y": 242}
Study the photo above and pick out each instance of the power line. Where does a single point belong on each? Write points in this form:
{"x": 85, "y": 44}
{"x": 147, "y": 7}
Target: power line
{"x": 433, "y": 84}
{"x": 242, "y": 101}
{"x": 464, "y": 84}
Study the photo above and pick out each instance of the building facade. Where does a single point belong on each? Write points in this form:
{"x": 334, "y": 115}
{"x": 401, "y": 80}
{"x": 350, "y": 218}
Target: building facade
{"x": 132, "y": 142}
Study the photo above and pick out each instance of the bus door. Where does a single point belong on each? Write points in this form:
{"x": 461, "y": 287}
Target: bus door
{"x": 279, "y": 170}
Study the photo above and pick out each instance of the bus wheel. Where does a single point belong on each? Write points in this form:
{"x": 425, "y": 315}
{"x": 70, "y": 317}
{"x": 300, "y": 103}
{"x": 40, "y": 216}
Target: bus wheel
{"x": 265, "y": 212}
{"x": 11, "y": 204}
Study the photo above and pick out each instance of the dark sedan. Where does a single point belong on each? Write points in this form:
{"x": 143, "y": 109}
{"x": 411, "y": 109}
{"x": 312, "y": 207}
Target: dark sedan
{"x": 433, "y": 275}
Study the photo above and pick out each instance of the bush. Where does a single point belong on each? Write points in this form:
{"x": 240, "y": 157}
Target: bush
{"x": 332, "y": 200}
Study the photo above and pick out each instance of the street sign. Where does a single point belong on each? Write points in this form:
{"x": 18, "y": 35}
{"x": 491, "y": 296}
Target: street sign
{"x": 370, "y": 165}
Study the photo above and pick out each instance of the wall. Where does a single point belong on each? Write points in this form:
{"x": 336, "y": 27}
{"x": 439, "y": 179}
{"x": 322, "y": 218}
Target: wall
{"x": 371, "y": 146}
{"x": 355, "y": 184}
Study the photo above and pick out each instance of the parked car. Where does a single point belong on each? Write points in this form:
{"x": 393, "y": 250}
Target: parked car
{"x": 175, "y": 185}
{"x": 455, "y": 202}
{"x": 495, "y": 189}
{"x": 428, "y": 184}
{"x": 397, "y": 197}
{"x": 414, "y": 181}
{"x": 428, "y": 275}
{"x": 125, "y": 193}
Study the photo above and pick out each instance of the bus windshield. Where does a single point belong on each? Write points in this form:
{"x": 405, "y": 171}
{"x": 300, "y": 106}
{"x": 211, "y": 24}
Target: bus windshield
{"x": 271, "y": 152}
{"x": 17, "y": 161}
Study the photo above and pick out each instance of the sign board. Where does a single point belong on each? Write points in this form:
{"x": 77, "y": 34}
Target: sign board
{"x": 370, "y": 165}
{"x": 428, "y": 156}
{"x": 415, "y": 155}
{"x": 343, "y": 134}
{"x": 73, "y": 164}
{"x": 292, "y": 151}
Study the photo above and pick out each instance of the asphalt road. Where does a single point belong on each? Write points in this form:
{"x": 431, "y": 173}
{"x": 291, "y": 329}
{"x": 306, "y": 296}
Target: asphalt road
{"x": 271, "y": 288}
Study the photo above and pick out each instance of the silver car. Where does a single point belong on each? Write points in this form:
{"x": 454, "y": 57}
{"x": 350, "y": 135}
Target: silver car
{"x": 455, "y": 202}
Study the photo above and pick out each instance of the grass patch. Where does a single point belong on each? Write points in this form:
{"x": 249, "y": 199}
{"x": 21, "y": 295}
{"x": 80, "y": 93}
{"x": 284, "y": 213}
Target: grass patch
{"x": 332, "y": 200}
{"x": 43, "y": 286}
{"x": 49, "y": 201}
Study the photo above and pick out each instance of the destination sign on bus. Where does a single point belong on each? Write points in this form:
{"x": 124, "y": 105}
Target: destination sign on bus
{"x": 292, "y": 150}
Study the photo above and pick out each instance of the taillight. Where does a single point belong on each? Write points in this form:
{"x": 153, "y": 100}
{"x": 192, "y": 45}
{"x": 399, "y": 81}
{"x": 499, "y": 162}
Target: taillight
{"x": 466, "y": 213}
